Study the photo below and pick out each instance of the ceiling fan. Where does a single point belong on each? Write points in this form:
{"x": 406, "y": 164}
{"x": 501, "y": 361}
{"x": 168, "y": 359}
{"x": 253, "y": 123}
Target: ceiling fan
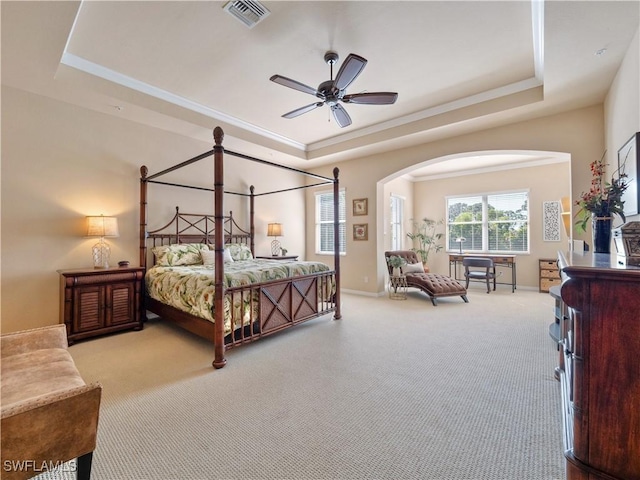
{"x": 332, "y": 92}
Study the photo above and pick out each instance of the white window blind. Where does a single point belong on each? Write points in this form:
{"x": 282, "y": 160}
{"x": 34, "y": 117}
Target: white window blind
{"x": 324, "y": 222}
{"x": 497, "y": 222}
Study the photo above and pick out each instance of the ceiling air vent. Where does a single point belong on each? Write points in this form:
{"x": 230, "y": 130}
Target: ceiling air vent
{"x": 248, "y": 12}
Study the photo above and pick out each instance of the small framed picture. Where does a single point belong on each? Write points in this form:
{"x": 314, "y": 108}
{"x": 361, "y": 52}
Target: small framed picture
{"x": 360, "y": 206}
{"x": 360, "y": 231}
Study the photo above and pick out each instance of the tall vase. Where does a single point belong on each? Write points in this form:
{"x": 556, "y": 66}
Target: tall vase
{"x": 601, "y": 229}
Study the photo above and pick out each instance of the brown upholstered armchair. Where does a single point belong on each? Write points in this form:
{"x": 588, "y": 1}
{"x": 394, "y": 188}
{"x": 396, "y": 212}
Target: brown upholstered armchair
{"x": 49, "y": 414}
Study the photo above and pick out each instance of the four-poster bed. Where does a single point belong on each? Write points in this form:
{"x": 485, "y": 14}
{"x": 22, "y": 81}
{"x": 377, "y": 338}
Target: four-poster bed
{"x": 244, "y": 299}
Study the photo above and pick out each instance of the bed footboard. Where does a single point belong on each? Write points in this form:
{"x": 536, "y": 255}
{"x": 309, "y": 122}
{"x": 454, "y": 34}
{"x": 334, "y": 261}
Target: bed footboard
{"x": 266, "y": 308}
{"x": 260, "y": 309}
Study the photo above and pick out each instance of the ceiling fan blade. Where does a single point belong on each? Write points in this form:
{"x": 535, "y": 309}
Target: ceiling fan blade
{"x": 305, "y": 109}
{"x": 340, "y": 114}
{"x": 349, "y": 70}
{"x": 372, "y": 98}
{"x": 287, "y": 82}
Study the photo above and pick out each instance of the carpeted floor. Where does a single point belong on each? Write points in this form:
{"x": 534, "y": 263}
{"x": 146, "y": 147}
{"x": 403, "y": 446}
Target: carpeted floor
{"x": 394, "y": 390}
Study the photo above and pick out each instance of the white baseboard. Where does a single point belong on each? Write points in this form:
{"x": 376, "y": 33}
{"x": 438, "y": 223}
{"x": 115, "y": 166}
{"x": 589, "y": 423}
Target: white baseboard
{"x": 362, "y": 293}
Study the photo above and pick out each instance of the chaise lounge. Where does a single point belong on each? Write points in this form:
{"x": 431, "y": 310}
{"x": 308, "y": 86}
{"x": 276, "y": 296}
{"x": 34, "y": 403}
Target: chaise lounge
{"x": 433, "y": 284}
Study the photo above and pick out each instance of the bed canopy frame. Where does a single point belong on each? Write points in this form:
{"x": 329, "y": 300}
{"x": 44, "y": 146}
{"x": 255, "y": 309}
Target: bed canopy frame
{"x": 222, "y": 228}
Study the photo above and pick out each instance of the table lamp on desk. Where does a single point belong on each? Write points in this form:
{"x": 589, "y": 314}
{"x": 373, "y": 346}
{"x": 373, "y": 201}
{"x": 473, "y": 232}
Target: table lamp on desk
{"x": 460, "y": 240}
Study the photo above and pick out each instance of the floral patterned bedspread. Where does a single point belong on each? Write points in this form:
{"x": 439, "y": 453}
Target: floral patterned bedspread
{"x": 191, "y": 288}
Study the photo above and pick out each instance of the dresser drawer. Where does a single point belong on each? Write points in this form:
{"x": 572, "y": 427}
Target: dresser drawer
{"x": 548, "y": 265}
{"x": 549, "y": 273}
{"x": 502, "y": 259}
{"x": 547, "y": 283}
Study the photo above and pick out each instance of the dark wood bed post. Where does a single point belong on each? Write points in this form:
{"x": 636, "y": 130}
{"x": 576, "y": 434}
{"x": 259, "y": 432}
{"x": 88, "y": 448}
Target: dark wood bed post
{"x": 336, "y": 238}
{"x": 252, "y": 226}
{"x": 218, "y": 181}
{"x": 143, "y": 216}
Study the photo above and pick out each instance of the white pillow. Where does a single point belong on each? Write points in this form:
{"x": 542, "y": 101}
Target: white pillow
{"x": 209, "y": 257}
{"x": 412, "y": 268}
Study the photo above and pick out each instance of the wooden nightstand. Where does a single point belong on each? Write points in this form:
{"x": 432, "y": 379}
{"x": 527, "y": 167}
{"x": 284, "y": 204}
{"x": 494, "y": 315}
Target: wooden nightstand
{"x": 99, "y": 301}
{"x": 279, "y": 257}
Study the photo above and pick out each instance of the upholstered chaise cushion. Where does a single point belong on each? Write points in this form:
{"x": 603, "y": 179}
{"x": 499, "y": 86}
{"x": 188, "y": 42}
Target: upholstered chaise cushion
{"x": 432, "y": 284}
{"x": 33, "y": 374}
{"x": 49, "y": 415}
{"x": 435, "y": 284}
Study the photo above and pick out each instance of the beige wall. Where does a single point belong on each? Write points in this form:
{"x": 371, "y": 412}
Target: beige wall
{"x": 544, "y": 183}
{"x": 622, "y": 106}
{"x": 578, "y": 133}
{"x": 61, "y": 163}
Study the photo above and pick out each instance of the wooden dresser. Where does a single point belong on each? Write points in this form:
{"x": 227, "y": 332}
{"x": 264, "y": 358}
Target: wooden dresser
{"x": 99, "y": 301}
{"x": 600, "y": 367}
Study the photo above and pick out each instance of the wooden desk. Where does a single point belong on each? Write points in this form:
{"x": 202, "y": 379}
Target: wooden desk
{"x": 508, "y": 261}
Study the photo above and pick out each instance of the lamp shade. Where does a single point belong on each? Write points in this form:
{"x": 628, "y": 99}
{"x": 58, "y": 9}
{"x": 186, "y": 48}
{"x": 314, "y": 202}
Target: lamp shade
{"x": 101, "y": 226}
{"x": 274, "y": 230}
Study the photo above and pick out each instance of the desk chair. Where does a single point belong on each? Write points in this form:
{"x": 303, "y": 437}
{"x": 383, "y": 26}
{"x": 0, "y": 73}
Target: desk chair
{"x": 476, "y": 268}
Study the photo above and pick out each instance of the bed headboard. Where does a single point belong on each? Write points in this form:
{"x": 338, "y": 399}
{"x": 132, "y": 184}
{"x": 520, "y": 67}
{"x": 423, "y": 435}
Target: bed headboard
{"x": 197, "y": 228}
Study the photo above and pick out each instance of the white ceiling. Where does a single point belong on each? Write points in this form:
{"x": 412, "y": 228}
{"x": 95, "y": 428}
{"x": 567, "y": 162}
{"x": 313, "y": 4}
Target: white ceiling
{"x": 189, "y": 66}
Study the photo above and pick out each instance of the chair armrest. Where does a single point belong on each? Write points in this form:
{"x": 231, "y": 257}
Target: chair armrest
{"x": 57, "y": 427}
{"x": 53, "y": 336}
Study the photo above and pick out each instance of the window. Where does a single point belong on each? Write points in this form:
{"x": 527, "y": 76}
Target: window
{"x": 397, "y": 215}
{"x": 324, "y": 222}
{"x": 496, "y": 222}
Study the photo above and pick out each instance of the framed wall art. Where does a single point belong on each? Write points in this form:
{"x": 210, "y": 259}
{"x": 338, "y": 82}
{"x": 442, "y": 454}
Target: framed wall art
{"x": 360, "y": 231}
{"x": 551, "y": 221}
{"x": 360, "y": 206}
{"x": 628, "y": 163}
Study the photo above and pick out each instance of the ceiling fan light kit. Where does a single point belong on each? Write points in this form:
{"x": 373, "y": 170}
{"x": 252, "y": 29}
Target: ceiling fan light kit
{"x": 332, "y": 92}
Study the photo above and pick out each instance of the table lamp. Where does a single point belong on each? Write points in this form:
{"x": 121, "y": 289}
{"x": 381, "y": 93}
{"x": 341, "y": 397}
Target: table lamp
{"x": 460, "y": 240}
{"x": 101, "y": 226}
{"x": 274, "y": 230}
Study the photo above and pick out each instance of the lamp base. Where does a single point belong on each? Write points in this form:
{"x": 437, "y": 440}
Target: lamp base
{"x": 101, "y": 253}
{"x": 275, "y": 248}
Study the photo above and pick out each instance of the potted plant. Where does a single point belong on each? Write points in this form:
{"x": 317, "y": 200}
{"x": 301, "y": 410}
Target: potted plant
{"x": 424, "y": 234}
{"x": 396, "y": 262}
{"x": 600, "y": 203}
